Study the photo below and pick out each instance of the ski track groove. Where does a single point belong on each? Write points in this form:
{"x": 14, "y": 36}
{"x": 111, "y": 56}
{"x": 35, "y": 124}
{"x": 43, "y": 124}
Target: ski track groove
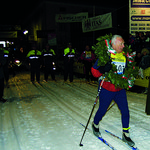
{"x": 10, "y": 126}
{"x": 72, "y": 93}
{"x": 63, "y": 105}
{"x": 14, "y": 128}
{"x": 52, "y": 93}
{"x": 17, "y": 125}
{"x": 28, "y": 123}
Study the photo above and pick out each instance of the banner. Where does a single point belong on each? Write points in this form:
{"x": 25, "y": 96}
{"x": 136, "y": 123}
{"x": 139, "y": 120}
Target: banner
{"x": 139, "y": 16}
{"x": 144, "y": 82}
{"x": 65, "y": 18}
{"x": 52, "y": 39}
{"x": 97, "y": 23}
{"x": 8, "y": 34}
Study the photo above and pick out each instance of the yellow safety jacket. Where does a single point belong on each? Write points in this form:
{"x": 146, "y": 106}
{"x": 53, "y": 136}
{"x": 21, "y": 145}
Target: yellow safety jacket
{"x": 6, "y": 52}
{"x": 48, "y": 53}
{"x": 69, "y": 53}
{"x": 34, "y": 54}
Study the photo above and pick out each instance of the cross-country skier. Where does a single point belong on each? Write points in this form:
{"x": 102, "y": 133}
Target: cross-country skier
{"x": 109, "y": 92}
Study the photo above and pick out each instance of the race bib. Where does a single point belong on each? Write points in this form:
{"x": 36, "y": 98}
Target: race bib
{"x": 120, "y": 67}
{"x": 120, "y": 61}
{"x": 88, "y": 54}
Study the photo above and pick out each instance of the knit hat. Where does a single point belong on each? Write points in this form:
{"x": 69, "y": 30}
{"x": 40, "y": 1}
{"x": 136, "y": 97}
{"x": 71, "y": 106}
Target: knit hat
{"x": 145, "y": 50}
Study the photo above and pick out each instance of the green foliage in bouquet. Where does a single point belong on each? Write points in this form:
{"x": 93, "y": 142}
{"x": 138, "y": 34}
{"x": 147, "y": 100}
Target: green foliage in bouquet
{"x": 101, "y": 50}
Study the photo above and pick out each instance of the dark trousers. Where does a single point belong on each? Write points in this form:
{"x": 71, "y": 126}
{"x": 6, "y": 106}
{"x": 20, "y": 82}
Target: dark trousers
{"x": 105, "y": 99}
{"x": 87, "y": 66}
{"x": 1, "y": 87}
{"x": 35, "y": 70}
{"x": 6, "y": 73}
{"x": 68, "y": 70}
{"x": 49, "y": 70}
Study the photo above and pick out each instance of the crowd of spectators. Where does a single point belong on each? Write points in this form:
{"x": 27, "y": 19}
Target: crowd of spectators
{"x": 141, "y": 44}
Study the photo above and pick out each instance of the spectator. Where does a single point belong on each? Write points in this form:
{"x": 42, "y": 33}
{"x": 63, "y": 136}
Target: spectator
{"x": 87, "y": 57}
{"x": 145, "y": 62}
{"x": 138, "y": 58}
{"x": 35, "y": 61}
{"x": 69, "y": 55}
{"x": 2, "y": 63}
{"x": 48, "y": 55}
{"x": 131, "y": 40}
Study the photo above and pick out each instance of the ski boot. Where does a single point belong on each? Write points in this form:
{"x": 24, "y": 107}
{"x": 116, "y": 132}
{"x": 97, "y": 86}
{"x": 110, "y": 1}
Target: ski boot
{"x": 126, "y": 138}
{"x": 95, "y": 129}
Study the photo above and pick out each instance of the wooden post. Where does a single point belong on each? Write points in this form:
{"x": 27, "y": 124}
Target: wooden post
{"x": 147, "y": 109}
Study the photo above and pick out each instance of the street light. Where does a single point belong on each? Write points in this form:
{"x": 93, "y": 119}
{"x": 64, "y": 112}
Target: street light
{"x": 25, "y": 32}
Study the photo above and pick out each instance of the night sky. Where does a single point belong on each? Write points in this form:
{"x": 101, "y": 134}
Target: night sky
{"x": 13, "y": 12}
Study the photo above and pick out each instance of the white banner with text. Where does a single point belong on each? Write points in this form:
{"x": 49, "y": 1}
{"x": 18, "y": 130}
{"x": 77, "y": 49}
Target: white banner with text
{"x": 97, "y": 23}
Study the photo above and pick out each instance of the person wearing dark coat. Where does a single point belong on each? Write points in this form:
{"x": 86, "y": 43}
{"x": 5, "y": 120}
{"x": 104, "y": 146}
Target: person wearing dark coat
{"x": 34, "y": 57}
{"x": 145, "y": 62}
{"x": 2, "y": 63}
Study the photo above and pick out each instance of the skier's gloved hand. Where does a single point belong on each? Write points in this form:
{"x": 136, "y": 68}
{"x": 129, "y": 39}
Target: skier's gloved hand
{"x": 108, "y": 66}
{"x": 105, "y": 68}
{"x": 102, "y": 69}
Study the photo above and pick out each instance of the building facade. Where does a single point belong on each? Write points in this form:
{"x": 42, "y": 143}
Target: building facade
{"x": 44, "y": 28}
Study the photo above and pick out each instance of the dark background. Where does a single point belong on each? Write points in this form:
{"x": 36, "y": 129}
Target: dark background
{"x": 13, "y": 12}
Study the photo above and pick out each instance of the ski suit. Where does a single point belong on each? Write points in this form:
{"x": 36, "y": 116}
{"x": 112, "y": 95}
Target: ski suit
{"x": 109, "y": 92}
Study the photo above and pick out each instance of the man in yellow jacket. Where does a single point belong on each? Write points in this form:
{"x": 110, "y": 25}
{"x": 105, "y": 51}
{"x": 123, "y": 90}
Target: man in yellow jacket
{"x": 69, "y": 55}
{"x": 34, "y": 57}
{"x": 48, "y": 56}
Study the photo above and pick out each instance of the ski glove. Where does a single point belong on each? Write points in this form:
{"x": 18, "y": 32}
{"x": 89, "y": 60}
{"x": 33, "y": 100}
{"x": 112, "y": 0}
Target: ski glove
{"x": 105, "y": 68}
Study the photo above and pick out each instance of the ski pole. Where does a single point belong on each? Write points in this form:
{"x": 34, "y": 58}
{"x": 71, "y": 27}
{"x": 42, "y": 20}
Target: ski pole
{"x": 91, "y": 112}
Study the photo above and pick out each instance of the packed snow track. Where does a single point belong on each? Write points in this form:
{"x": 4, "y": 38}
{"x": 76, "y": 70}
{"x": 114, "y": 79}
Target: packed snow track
{"x": 47, "y": 116}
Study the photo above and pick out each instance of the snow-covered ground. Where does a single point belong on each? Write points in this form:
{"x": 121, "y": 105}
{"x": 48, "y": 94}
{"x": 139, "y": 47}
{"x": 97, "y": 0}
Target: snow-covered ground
{"x": 49, "y": 117}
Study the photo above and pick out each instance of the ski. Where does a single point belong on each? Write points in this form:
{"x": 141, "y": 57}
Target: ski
{"x": 102, "y": 139}
{"x": 132, "y": 147}
{"x": 68, "y": 84}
